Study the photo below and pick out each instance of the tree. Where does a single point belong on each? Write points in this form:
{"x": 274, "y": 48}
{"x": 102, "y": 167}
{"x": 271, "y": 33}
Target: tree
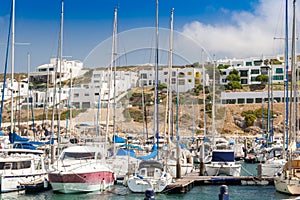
{"x": 249, "y": 119}
{"x": 234, "y": 79}
{"x": 233, "y": 76}
{"x": 234, "y": 85}
{"x": 262, "y": 78}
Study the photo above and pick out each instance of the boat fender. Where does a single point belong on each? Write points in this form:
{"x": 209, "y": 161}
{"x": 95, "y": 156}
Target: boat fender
{"x": 46, "y": 183}
{"x": 103, "y": 185}
{"x": 140, "y": 177}
{"x": 278, "y": 173}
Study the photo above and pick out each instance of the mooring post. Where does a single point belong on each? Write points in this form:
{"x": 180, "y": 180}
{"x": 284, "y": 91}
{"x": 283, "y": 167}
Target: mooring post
{"x": 149, "y": 194}
{"x": 223, "y": 193}
{"x": 202, "y": 166}
{"x": 245, "y": 148}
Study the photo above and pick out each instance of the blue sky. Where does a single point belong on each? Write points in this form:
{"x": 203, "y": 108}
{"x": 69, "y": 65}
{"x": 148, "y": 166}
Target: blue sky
{"x": 223, "y": 27}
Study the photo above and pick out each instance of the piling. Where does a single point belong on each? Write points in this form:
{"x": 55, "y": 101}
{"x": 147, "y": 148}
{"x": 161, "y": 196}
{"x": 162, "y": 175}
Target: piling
{"x": 223, "y": 193}
{"x": 149, "y": 194}
{"x": 202, "y": 166}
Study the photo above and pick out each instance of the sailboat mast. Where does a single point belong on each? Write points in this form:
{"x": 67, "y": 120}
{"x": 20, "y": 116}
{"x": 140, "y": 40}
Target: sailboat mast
{"x": 110, "y": 77}
{"x": 115, "y": 69}
{"x": 294, "y": 75}
{"x": 12, "y": 66}
{"x": 213, "y": 103}
{"x": 28, "y": 82}
{"x": 156, "y": 99}
{"x": 60, "y": 71}
{"x": 170, "y": 71}
{"x": 286, "y": 77}
{"x": 203, "y": 88}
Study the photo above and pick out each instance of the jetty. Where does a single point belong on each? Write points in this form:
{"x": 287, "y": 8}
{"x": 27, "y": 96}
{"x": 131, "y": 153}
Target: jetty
{"x": 186, "y": 183}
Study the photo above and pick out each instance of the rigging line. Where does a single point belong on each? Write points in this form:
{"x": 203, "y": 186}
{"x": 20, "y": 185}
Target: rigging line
{"x": 5, "y": 68}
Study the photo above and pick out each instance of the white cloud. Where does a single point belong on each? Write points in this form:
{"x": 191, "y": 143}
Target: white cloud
{"x": 250, "y": 34}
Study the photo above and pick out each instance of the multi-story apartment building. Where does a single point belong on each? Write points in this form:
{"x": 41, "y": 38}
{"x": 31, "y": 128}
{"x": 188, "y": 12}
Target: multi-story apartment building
{"x": 68, "y": 69}
{"x": 249, "y": 69}
{"x": 182, "y": 79}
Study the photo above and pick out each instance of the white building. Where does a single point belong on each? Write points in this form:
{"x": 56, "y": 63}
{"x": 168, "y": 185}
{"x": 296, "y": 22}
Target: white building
{"x": 68, "y": 69}
{"x": 18, "y": 89}
{"x": 87, "y": 95}
{"x": 183, "y": 78}
{"x": 249, "y": 69}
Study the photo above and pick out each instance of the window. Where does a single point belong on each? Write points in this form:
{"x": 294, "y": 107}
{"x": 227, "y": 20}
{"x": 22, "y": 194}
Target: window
{"x": 253, "y": 78}
{"x": 224, "y": 73}
{"x": 150, "y": 82}
{"x": 96, "y": 81}
{"x": 86, "y": 94}
{"x": 224, "y": 80}
{"x": 181, "y": 82}
{"x": 143, "y": 76}
{"x": 181, "y": 75}
{"x": 279, "y": 71}
{"x": 173, "y": 81}
{"x": 173, "y": 73}
{"x": 243, "y": 73}
{"x": 76, "y": 95}
{"x": 257, "y": 62}
{"x": 244, "y": 81}
{"x": 248, "y": 63}
{"x": 165, "y": 73}
{"x": 250, "y": 100}
{"x": 240, "y": 101}
{"x": 278, "y": 78}
{"x": 189, "y": 80}
{"x": 189, "y": 73}
{"x": 97, "y": 75}
{"x": 254, "y": 71}
{"x": 197, "y": 74}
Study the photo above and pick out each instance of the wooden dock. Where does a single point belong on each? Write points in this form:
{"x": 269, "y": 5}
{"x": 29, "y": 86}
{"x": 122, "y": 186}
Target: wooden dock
{"x": 187, "y": 182}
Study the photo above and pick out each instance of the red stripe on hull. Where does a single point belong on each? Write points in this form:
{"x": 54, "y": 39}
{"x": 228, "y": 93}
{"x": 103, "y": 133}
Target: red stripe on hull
{"x": 93, "y": 177}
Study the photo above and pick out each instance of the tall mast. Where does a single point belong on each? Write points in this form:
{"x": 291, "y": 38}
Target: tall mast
{"x": 110, "y": 78}
{"x": 12, "y": 66}
{"x": 286, "y": 77}
{"x": 294, "y": 78}
{"x": 115, "y": 69}
{"x": 28, "y": 82}
{"x": 203, "y": 88}
{"x": 169, "y": 73}
{"x": 156, "y": 99}
{"x": 60, "y": 71}
{"x": 213, "y": 103}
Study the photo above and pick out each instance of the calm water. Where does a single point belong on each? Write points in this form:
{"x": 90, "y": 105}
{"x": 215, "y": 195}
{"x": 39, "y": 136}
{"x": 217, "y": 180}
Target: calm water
{"x": 198, "y": 192}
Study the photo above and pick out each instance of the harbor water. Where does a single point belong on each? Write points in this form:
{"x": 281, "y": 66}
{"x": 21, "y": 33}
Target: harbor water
{"x": 206, "y": 192}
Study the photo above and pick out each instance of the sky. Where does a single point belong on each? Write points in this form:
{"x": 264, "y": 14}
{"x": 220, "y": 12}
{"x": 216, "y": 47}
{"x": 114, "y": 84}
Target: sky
{"x": 224, "y": 28}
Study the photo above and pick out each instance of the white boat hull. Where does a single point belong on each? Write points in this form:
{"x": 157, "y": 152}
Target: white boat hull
{"x": 287, "y": 186}
{"x": 216, "y": 169}
{"x": 138, "y": 185}
{"x": 11, "y": 183}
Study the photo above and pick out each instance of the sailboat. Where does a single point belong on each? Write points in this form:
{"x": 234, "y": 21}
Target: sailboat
{"x": 152, "y": 173}
{"x": 222, "y": 160}
{"x": 288, "y": 180}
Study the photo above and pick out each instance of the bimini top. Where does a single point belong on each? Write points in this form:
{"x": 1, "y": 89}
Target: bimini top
{"x": 222, "y": 156}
